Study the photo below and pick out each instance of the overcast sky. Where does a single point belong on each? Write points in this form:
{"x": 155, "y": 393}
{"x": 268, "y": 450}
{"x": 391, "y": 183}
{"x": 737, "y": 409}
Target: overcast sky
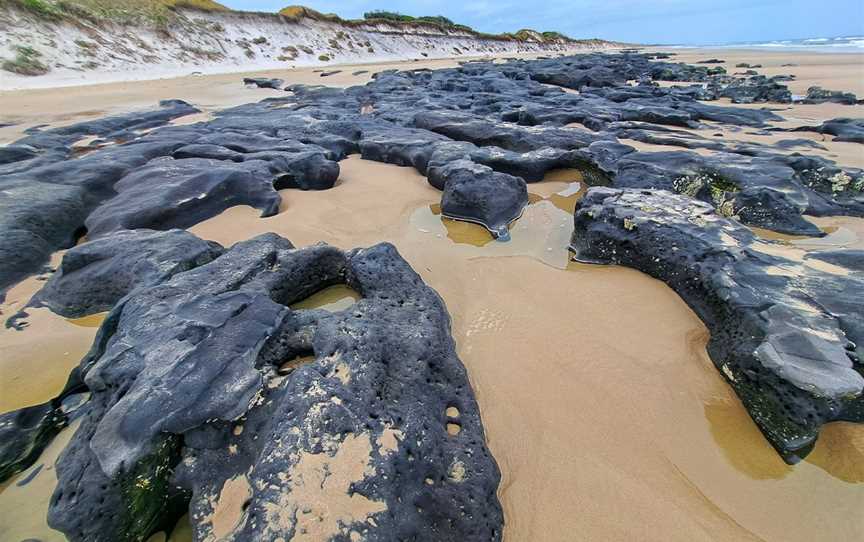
{"x": 644, "y": 21}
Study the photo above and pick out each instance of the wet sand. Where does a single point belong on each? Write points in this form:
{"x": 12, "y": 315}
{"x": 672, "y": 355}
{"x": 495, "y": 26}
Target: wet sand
{"x": 49, "y": 346}
{"x": 606, "y": 416}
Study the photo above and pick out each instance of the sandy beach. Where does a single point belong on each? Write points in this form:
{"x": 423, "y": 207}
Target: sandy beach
{"x": 599, "y": 402}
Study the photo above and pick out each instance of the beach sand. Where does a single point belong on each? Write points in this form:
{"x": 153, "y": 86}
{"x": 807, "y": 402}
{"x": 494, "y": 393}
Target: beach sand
{"x": 607, "y": 418}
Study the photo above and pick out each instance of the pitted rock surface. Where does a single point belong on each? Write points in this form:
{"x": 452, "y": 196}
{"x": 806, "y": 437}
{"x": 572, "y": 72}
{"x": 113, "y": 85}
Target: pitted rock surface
{"x": 198, "y": 376}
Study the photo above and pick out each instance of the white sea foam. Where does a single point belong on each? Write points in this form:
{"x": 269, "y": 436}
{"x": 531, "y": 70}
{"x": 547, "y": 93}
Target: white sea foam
{"x": 850, "y": 43}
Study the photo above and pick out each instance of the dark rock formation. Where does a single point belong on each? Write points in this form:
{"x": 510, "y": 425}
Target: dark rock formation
{"x": 851, "y": 130}
{"x": 793, "y": 184}
{"x": 170, "y": 193}
{"x": 476, "y": 193}
{"x": 45, "y": 196}
{"x": 196, "y": 386}
{"x": 818, "y": 95}
{"x": 757, "y": 88}
{"x": 263, "y": 82}
{"x": 203, "y": 380}
{"x": 787, "y": 333}
{"x": 25, "y": 433}
{"x": 94, "y": 276}
{"x": 770, "y": 209}
{"x": 516, "y": 119}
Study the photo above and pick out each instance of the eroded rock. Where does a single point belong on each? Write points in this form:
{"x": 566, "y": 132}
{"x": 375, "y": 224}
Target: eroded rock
{"x": 844, "y": 129}
{"x": 169, "y": 193}
{"x": 263, "y": 82}
{"x": 818, "y": 95}
{"x": 93, "y": 276}
{"x": 785, "y": 329}
{"x": 199, "y": 376}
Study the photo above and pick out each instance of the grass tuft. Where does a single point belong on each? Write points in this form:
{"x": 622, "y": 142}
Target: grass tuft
{"x": 26, "y": 62}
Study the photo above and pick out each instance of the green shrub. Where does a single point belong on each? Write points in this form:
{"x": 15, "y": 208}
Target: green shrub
{"x": 324, "y": 58}
{"x": 437, "y": 19}
{"x": 41, "y": 7}
{"x": 388, "y": 16}
{"x": 26, "y": 62}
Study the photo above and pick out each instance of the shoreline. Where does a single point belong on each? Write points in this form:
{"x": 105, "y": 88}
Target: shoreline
{"x": 767, "y": 48}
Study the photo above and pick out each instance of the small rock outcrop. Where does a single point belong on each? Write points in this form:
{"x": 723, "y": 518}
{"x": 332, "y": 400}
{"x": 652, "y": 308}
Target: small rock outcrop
{"x": 851, "y": 130}
{"x": 818, "y": 95}
{"x": 786, "y": 327}
{"x": 94, "y": 276}
{"x": 263, "y": 82}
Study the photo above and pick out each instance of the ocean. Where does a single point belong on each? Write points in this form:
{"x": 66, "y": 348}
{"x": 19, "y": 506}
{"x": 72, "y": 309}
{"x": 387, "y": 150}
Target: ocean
{"x": 834, "y": 45}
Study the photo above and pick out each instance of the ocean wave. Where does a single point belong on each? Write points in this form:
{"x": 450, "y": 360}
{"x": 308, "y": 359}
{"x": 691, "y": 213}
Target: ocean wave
{"x": 828, "y": 44}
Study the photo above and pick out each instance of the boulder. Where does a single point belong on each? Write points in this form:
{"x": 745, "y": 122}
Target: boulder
{"x": 475, "y": 193}
{"x": 818, "y": 95}
{"x": 208, "y": 386}
{"x": 263, "y": 82}
{"x": 94, "y": 276}
{"x": 171, "y": 193}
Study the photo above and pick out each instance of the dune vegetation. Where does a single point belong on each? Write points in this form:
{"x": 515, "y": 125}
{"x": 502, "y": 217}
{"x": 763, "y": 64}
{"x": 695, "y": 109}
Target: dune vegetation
{"x": 163, "y": 12}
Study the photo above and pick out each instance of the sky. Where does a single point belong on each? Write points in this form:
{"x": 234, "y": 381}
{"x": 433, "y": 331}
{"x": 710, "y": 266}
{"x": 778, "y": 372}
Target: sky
{"x": 697, "y": 22}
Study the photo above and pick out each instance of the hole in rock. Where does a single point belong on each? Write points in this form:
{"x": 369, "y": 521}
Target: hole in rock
{"x": 453, "y": 428}
{"x": 333, "y": 298}
{"x": 288, "y": 367}
{"x": 80, "y": 235}
{"x": 284, "y": 182}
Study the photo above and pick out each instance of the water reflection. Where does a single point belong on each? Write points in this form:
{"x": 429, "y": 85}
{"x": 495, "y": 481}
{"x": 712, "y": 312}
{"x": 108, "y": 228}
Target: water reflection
{"x": 333, "y": 298}
{"x": 542, "y": 232}
{"x": 742, "y": 443}
{"x": 839, "y": 451}
{"x": 91, "y": 320}
{"x": 26, "y": 495}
